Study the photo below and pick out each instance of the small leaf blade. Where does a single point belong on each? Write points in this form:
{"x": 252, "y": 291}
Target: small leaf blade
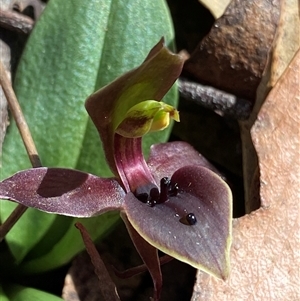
{"x": 20, "y": 293}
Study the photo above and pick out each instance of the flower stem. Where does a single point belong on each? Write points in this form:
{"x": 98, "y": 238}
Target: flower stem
{"x": 27, "y": 140}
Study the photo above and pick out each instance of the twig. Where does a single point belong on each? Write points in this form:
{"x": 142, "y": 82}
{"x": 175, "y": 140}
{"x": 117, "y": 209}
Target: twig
{"x": 19, "y": 118}
{"x": 27, "y": 140}
{"x": 11, "y": 220}
{"x": 215, "y": 99}
{"x": 15, "y": 21}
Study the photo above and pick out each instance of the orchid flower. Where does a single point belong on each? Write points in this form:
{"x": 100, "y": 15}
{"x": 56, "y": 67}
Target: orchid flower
{"x": 175, "y": 202}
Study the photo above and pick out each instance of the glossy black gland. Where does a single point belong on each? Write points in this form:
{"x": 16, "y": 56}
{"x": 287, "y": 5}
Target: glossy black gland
{"x": 151, "y": 202}
{"x": 165, "y": 181}
{"x": 153, "y": 198}
{"x": 173, "y": 189}
{"x": 154, "y": 194}
{"x": 151, "y": 195}
{"x": 191, "y": 219}
{"x": 167, "y": 189}
{"x": 164, "y": 189}
{"x": 146, "y": 193}
{"x": 143, "y": 197}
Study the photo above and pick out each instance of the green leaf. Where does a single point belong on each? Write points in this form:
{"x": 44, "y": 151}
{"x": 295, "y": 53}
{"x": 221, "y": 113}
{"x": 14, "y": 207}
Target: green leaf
{"x": 3, "y": 297}
{"x": 29, "y": 229}
{"x": 75, "y": 48}
{"x": 21, "y": 293}
{"x": 70, "y": 244}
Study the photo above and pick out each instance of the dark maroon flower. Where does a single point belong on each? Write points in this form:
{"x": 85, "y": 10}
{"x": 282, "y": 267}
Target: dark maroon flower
{"x": 174, "y": 202}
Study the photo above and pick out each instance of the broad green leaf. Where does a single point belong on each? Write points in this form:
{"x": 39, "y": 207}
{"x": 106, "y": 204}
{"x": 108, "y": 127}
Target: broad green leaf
{"x": 70, "y": 244}
{"x": 75, "y": 48}
{"x": 54, "y": 234}
{"x": 21, "y": 293}
{"x": 3, "y": 297}
{"x": 28, "y": 230}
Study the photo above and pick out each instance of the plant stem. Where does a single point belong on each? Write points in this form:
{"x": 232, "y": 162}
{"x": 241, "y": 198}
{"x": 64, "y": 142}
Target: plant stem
{"x": 27, "y": 140}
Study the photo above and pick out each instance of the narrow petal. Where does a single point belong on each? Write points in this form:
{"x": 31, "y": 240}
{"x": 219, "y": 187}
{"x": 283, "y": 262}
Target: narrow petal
{"x": 63, "y": 191}
{"x": 149, "y": 255}
{"x": 166, "y": 158}
{"x": 107, "y": 286}
{"x": 194, "y": 226}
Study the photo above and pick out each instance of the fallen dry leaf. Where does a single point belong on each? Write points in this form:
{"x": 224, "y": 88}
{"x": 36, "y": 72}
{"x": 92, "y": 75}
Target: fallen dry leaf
{"x": 216, "y": 7}
{"x": 265, "y": 256}
{"x": 288, "y": 38}
{"x": 286, "y": 44}
{"x": 232, "y": 57}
